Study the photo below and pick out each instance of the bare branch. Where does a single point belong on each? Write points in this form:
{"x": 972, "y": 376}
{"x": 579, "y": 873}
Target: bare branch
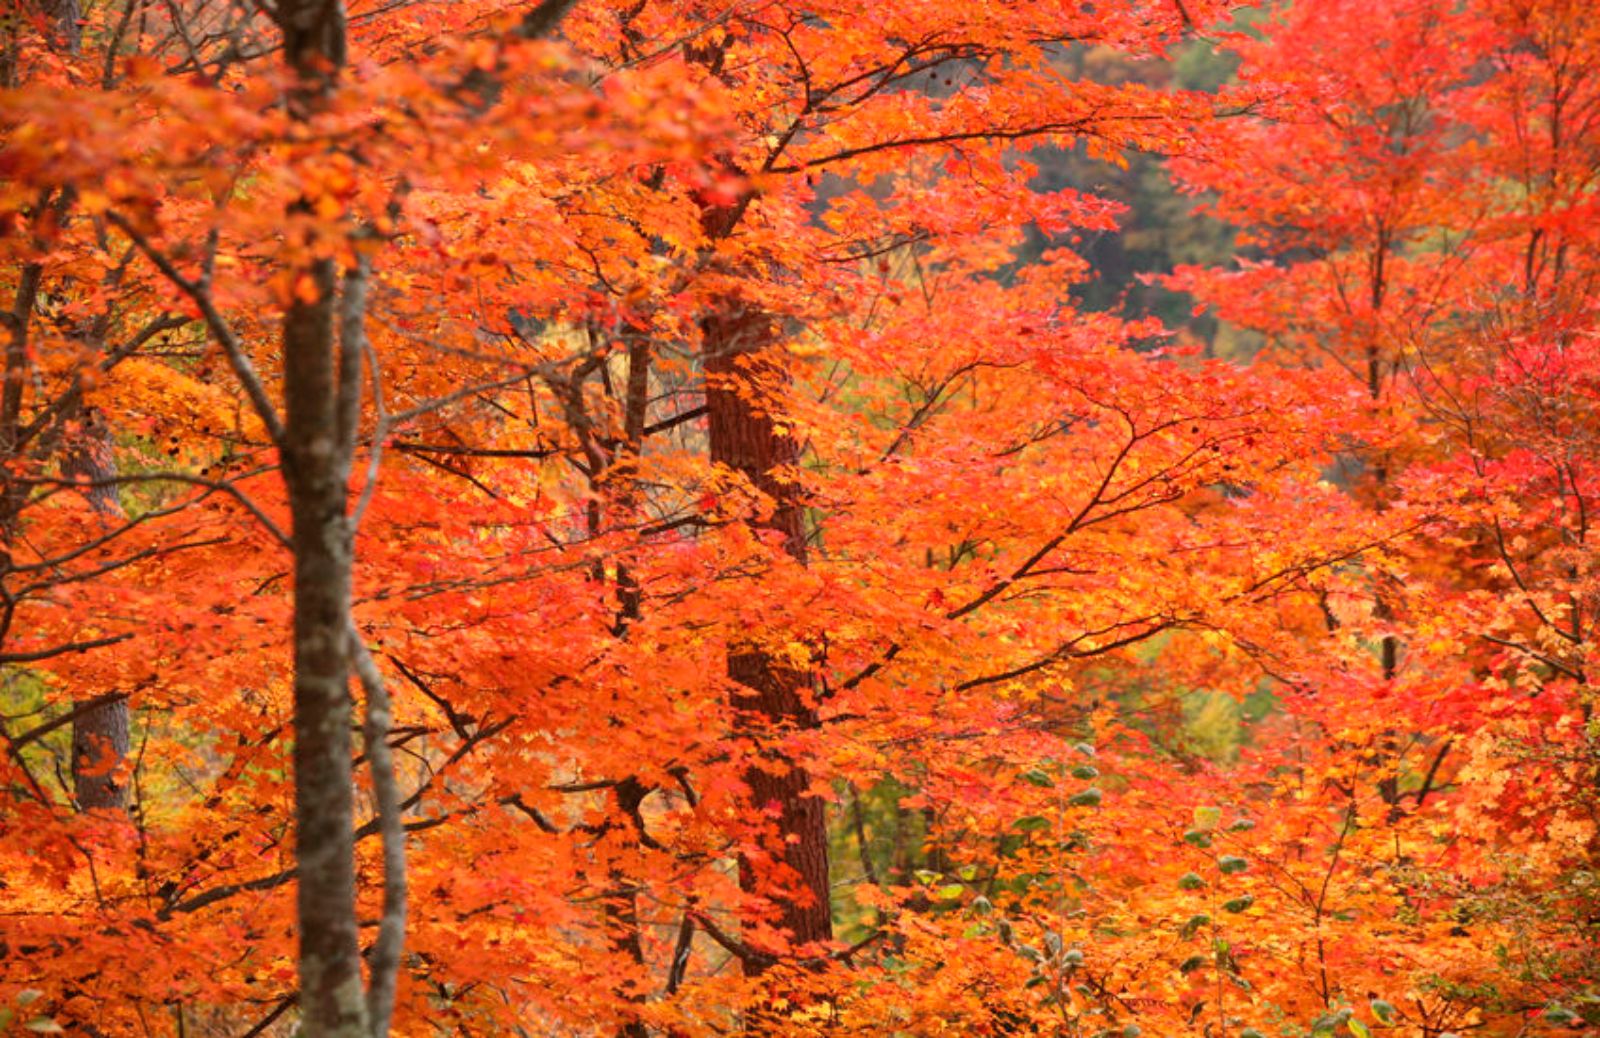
{"x": 386, "y": 792}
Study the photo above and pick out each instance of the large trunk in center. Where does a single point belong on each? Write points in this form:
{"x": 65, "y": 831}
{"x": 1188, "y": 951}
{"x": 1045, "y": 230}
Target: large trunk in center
{"x": 774, "y": 698}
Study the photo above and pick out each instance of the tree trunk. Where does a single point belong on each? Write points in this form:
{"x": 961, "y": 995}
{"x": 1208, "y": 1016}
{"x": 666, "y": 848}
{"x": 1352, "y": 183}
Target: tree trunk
{"x": 744, "y": 437}
{"x": 315, "y": 469}
{"x": 315, "y": 452}
{"x": 99, "y": 745}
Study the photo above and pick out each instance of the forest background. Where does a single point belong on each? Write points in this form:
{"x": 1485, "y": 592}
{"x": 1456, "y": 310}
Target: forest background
{"x": 696, "y": 517}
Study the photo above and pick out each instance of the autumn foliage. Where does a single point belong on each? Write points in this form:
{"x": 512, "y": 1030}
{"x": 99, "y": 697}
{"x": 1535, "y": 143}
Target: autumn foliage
{"x": 573, "y": 518}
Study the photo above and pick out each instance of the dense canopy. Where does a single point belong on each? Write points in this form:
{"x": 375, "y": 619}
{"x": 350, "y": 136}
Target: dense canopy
{"x": 702, "y": 517}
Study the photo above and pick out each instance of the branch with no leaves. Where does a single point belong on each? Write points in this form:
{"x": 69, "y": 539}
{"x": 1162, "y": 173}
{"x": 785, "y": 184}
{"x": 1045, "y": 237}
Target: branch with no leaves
{"x": 391, "y": 828}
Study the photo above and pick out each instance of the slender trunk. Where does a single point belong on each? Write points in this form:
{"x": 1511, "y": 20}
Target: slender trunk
{"x": 622, "y": 908}
{"x": 100, "y": 733}
{"x": 623, "y": 915}
{"x": 612, "y": 477}
{"x": 776, "y": 697}
{"x": 315, "y": 469}
{"x": 100, "y": 737}
{"x": 315, "y": 454}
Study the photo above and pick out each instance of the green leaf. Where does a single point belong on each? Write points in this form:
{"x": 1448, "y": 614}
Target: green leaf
{"x": 1132, "y": 1031}
{"x": 1251, "y": 1032}
{"x": 1090, "y": 797}
{"x": 1085, "y": 772}
{"x": 1195, "y": 923}
{"x": 951, "y": 891}
{"x": 1207, "y": 817}
{"x": 968, "y": 872}
{"x": 1191, "y": 964}
{"x": 1073, "y": 957}
{"x": 1038, "y": 778}
{"x": 1238, "y": 904}
{"x": 1383, "y": 1011}
{"x": 1085, "y": 749}
{"x": 925, "y": 877}
{"x": 1358, "y": 1028}
{"x": 1190, "y": 881}
{"x": 1197, "y": 837}
{"x": 28, "y": 996}
{"x": 44, "y": 1025}
{"x": 1031, "y": 824}
{"x": 1242, "y": 825}
{"x": 1230, "y": 864}
{"x": 1560, "y": 1015}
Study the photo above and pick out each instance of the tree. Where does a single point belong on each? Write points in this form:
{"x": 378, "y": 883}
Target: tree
{"x": 798, "y": 615}
{"x": 1445, "y": 213}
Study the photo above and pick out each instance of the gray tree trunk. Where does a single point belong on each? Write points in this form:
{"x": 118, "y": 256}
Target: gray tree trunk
{"x": 315, "y": 451}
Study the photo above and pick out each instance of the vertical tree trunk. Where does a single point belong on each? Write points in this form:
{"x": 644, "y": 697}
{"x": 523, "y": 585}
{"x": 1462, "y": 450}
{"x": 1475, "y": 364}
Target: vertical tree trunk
{"x": 99, "y": 730}
{"x": 630, "y": 794}
{"x": 744, "y": 437}
{"x": 99, "y": 744}
{"x": 315, "y": 452}
{"x": 315, "y": 469}
{"x": 612, "y": 474}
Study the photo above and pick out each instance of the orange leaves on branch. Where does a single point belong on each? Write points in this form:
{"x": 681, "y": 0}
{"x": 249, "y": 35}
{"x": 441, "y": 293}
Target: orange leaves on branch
{"x": 1152, "y": 690}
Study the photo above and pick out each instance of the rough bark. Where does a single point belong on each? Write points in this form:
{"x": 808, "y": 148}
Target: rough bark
{"x": 99, "y": 744}
{"x": 315, "y": 453}
{"x": 776, "y": 698}
{"x": 315, "y": 469}
{"x": 323, "y": 347}
{"x": 66, "y": 14}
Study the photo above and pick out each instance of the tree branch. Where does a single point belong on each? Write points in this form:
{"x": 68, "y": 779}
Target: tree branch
{"x": 391, "y": 827}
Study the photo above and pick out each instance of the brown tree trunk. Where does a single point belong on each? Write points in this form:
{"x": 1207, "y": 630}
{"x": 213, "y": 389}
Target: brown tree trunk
{"x": 612, "y": 473}
{"x": 777, "y": 698}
